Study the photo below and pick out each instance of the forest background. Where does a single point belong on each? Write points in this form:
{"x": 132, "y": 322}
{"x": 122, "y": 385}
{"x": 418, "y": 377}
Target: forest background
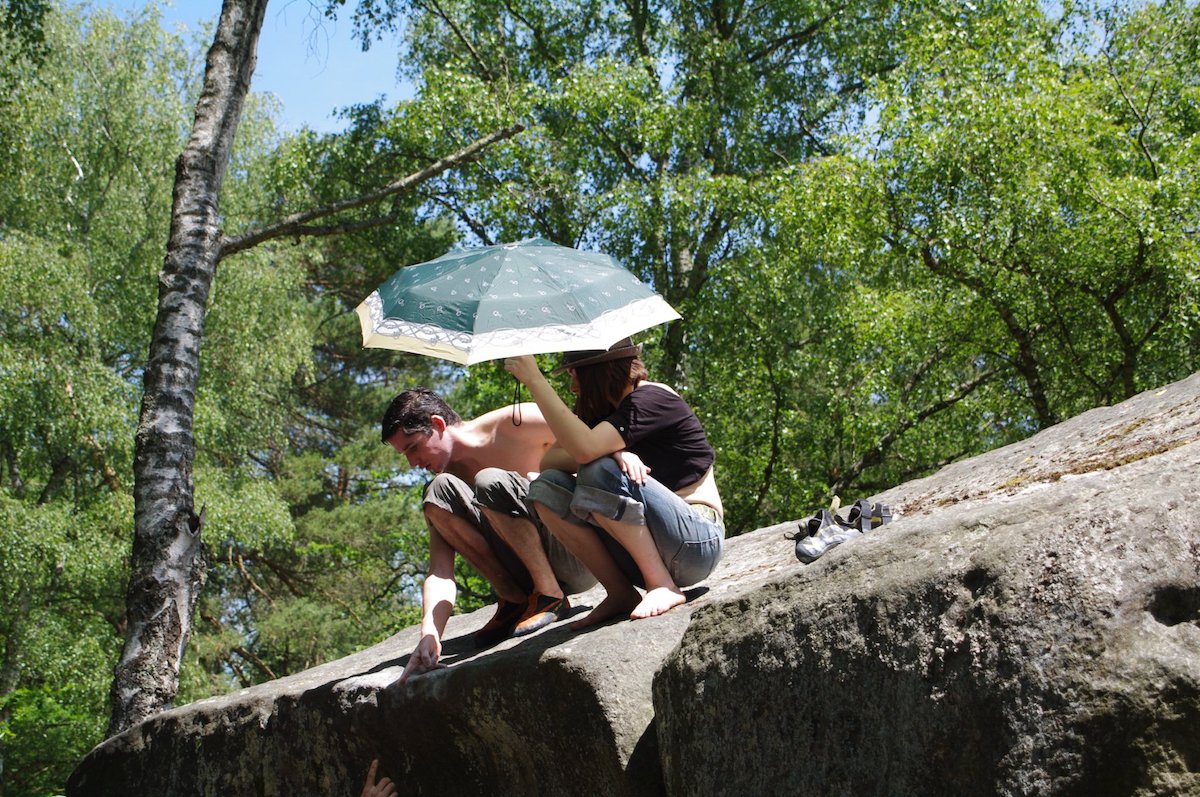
{"x": 899, "y": 234}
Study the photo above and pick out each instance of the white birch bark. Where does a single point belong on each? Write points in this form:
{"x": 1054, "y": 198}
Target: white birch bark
{"x": 169, "y": 563}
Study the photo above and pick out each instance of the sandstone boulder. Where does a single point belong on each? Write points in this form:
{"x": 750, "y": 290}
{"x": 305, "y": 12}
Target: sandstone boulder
{"x": 1029, "y": 624}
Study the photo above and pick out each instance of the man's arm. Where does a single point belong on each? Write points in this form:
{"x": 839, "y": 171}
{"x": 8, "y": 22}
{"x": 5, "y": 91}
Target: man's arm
{"x": 437, "y": 603}
{"x": 557, "y": 458}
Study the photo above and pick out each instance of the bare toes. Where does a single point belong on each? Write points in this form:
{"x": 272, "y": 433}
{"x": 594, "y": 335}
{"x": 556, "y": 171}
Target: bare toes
{"x": 656, "y": 602}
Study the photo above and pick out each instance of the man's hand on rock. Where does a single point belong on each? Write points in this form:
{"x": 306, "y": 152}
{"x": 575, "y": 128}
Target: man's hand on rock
{"x": 424, "y": 657}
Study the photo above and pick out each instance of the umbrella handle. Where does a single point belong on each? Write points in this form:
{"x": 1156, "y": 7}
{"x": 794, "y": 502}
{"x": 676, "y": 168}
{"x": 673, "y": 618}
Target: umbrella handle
{"x": 516, "y": 407}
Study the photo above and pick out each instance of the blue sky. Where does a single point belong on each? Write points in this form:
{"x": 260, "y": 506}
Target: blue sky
{"x": 313, "y": 65}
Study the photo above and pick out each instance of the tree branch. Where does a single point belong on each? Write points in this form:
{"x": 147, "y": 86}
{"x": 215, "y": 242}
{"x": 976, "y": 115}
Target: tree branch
{"x": 477, "y": 226}
{"x": 298, "y": 223}
{"x": 777, "y": 405}
{"x": 876, "y": 453}
{"x": 249, "y": 656}
{"x": 1143, "y": 122}
{"x": 639, "y": 15}
{"x": 241, "y": 566}
{"x": 488, "y": 74}
{"x": 803, "y": 35}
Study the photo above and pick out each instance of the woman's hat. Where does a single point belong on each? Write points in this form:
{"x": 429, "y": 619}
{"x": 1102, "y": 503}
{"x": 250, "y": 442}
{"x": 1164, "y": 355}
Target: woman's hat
{"x": 620, "y": 350}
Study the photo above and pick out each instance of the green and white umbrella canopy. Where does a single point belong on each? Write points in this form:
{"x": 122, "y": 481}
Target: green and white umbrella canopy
{"x": 529, "y": 297}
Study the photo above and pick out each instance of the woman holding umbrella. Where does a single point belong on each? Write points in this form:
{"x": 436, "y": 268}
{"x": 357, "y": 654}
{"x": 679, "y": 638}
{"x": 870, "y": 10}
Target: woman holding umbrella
{"x": 629, "y": 486}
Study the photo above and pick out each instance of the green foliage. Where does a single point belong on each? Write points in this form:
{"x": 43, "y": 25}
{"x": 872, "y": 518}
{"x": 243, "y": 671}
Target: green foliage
{"x": 260, "y": 334}
{"x": 22, "y": 29}
{"x": 87, "y": 137}
{"x": 1048, "y": 195}
{"x": 47, "y": 731}
{"x": 61, "y": 578}
{"x": 347, "y": 577}
{"x": 898, "y": 234}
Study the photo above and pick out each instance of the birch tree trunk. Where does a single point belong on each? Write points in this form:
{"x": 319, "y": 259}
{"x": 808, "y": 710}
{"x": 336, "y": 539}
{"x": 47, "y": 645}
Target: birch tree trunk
{"x": 169, "y": 562}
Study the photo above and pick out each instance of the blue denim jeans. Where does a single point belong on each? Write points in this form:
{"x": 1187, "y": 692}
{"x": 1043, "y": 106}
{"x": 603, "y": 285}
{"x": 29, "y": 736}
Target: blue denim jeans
{"x": 689, "y": 542}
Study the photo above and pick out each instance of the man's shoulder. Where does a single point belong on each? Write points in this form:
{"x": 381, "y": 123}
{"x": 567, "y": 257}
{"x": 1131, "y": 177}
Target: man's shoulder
{"x": 520, "y": 420}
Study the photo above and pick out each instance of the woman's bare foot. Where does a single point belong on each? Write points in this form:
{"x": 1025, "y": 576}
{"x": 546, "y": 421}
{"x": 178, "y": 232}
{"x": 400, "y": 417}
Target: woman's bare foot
{"x": 657, "y": 601}
{"x": 612, "y": 606}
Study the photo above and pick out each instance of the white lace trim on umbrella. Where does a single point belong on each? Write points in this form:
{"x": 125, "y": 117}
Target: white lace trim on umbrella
{"x": 469, "y": 348}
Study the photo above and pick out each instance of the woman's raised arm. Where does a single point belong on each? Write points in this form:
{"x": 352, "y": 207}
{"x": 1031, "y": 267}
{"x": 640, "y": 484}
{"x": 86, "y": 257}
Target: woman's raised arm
{"x": 573, "y": 435}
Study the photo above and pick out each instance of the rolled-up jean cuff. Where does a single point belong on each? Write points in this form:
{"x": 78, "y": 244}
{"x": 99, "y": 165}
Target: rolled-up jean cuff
{"x": 604, "y": 503}
{"x": 547, "y": 490}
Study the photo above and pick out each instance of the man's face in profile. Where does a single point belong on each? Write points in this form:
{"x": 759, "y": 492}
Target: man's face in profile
{"x": 428, "y": 450}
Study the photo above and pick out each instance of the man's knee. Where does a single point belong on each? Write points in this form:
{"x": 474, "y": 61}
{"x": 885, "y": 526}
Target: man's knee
{"x": 443, "y": 491}
{"x": 495, "y": 490}
{"x": 489, "y": 477}
{"x": 448, "y": 499}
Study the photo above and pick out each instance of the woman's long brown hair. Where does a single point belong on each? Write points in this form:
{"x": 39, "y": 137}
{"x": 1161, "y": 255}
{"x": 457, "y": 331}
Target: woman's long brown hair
{"x": 601, "y": 386}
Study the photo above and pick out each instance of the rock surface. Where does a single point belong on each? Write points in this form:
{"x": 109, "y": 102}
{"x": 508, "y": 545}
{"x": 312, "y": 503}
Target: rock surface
{"x": 1029, "y": 624}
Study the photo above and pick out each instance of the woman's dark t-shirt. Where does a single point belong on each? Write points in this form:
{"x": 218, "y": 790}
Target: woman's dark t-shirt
{"x": 660, "y": 427}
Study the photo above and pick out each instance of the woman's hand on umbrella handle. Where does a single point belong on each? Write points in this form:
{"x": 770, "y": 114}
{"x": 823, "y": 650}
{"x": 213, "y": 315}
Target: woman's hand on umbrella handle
{"x": 524, "y": 368}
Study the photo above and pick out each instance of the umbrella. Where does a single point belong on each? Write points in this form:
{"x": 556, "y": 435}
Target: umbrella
{"x": 529, "y": 297}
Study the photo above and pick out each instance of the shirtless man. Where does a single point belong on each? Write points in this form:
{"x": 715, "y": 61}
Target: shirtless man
{"x": 475, "y": 506}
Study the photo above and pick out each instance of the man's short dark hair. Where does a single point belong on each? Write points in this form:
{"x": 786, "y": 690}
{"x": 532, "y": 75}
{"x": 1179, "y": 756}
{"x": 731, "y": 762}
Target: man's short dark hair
{"x": 411, "y": 410}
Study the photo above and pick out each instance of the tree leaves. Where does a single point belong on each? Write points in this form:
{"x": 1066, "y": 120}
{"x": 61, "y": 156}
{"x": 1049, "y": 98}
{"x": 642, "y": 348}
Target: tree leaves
{"x": 899, "y": 236}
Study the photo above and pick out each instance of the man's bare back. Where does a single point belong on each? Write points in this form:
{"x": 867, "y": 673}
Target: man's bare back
{"x": 492, "y": 440}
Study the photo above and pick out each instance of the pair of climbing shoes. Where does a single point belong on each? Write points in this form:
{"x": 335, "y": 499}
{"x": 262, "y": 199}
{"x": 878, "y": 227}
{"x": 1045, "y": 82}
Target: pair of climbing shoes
{"x": 827, "y": 529}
